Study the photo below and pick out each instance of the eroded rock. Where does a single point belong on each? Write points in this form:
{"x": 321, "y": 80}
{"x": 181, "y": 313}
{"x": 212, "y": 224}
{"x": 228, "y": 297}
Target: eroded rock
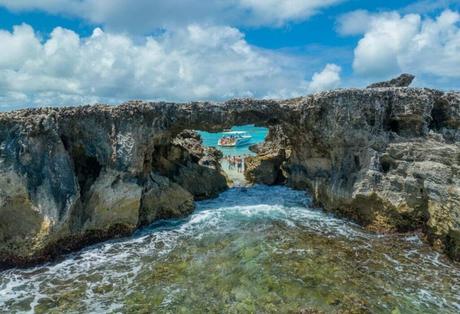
{"x": 164, "y": 199}
{"x": 386, "y": 157}
{"x": 266, "y": 166}
{"x": 404, "y": 80}
{"x": 113, "y": 201}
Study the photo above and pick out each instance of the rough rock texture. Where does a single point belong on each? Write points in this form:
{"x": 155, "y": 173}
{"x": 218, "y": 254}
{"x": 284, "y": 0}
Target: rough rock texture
{"x": 164, "y": 199}
{"x": 386, "y": 157}
{"x": 265, "y": 168}
{"x": 404, "y": 80}
{"x": 195, "y": 168}
{"x": 75, "y": 176}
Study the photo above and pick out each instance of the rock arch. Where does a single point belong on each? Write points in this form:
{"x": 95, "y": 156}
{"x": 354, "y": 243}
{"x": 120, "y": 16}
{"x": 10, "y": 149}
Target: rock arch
{"x": 336, "y": 144}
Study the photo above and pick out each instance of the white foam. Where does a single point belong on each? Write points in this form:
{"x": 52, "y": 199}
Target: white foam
{"x": 120, "y": 262}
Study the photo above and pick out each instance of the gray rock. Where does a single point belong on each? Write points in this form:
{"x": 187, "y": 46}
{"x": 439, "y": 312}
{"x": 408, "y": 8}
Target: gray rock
{"x": 404, "y": 80}
{"x": 164, "y": 199}
{"x": 386, "y": 157}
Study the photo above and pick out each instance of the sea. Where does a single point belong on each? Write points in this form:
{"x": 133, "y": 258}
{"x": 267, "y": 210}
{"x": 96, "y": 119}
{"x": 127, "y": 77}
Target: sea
{"x": 253, "y": 249}
{"x": 258, "y": 135}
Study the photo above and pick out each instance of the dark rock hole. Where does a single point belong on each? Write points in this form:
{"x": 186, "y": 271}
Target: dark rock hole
{"x": 357, "y": 163}
{"x": 439, "y": 115}
{"x": 87, "y": 169}
{"x": 393, "y": 126}
{"x": 387, "y": 164}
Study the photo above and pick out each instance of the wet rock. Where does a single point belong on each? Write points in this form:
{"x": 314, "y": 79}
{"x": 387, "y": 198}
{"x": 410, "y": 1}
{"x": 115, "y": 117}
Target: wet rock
{"x": 195, "y": 168}
{"x": 113, "y": 201}
{"x": 404, "y": 80}
{"x": 164, "y": 199}
{"x": 266, "y": 166}
{"x": 376, "y": 157}
{"x": 264, "y": 169}
{"x": 386, "y": 157}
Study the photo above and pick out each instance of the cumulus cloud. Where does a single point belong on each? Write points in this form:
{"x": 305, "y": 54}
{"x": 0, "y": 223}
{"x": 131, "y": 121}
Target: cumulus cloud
{"x": 279, "y": 12}
{"x": 147, "y": 15}
{"x": 191, "y": 63}
{"x": 354, "y": 23}
{"x": 394, "y": 43}
{"x": 328, "y": 78}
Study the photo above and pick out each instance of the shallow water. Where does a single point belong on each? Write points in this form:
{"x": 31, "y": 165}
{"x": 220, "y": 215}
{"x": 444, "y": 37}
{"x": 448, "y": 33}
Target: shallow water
{"x": 259, "y": 249}
{"x": 258, "y": 136}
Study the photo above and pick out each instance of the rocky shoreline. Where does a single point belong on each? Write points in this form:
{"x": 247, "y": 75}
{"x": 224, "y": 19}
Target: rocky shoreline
{"x": 387, "y": 157}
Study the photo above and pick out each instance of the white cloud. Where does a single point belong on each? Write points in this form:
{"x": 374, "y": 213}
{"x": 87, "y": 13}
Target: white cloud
{"x": 393, "y": 43}
{"x": 279, "y": 12}
{"x": 354, "y": 23}
{"x": 328, "y": 78}
{"x": 147, "y": 15}
{"x": 195, "y": 62}
{"x": 17, "y": 46}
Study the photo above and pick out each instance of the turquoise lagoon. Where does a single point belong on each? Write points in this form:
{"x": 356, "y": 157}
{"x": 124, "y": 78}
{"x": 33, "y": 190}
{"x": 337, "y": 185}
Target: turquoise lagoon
{"x": 258, "y": 135}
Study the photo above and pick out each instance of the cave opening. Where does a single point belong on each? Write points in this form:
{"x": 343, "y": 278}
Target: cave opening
{"x": 236, "y": 145}
{"x": 439, "y": 116}
{"x": 87, "y": 169}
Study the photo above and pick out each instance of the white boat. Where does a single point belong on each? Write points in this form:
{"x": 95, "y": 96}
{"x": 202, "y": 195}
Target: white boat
{"x": 234, "y": 138}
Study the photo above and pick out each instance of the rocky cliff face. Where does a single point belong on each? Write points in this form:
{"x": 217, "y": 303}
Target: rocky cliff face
{"x": 75, "y": 176}
{"x": 387, "y": 157}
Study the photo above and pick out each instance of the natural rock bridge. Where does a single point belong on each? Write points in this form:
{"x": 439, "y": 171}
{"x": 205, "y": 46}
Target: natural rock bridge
{"x": 388, "y": 158}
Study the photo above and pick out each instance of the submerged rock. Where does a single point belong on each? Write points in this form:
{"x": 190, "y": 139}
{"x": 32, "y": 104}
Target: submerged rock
{"x": 387, "y": 157}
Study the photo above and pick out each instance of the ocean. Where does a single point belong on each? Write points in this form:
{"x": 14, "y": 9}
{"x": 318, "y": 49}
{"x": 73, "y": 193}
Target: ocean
{"x": 258, "y": 135}
{"x": 251, "y": 250}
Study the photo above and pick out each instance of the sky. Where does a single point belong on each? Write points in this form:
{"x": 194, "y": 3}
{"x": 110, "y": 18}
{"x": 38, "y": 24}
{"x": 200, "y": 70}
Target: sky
{"x": 73, "y": 52}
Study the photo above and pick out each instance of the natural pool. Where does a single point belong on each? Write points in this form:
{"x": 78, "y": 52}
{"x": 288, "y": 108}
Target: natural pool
{"x": 252, "y": 250}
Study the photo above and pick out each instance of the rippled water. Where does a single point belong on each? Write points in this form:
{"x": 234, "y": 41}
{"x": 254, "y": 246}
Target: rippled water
{"x": 258, "y": 135}
{"x": 260, "y": 249}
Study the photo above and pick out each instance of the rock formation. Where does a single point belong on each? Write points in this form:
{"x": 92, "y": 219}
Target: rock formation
{"x": 265, "y": 168}
{"x": 404, "y": 80}
{"x": 387, "y": 157}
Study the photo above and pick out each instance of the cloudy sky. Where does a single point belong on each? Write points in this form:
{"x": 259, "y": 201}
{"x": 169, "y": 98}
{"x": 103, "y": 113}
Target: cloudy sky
{"x": 69, "y": 52}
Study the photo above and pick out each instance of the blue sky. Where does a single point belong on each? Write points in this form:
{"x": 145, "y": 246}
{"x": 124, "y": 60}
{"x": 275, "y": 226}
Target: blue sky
{"x": 69, "y": 52}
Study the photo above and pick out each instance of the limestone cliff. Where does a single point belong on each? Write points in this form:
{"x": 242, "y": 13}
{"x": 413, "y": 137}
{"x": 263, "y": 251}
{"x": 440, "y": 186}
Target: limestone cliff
{"x": 388, "y": 157}
{"x": 75, "y": 176}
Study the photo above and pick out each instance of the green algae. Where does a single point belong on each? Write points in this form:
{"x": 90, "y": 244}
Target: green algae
{"x": 278, "y": 257}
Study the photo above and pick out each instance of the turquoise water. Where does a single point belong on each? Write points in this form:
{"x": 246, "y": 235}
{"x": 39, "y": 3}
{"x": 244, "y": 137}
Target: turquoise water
{"x": 251, "y": 250}
{"x": 258, "y": 135}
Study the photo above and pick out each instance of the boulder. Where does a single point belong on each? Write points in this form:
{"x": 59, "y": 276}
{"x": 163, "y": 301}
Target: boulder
{"x": 113, "y": 201}
{"x": 163, "y": 199}
{"x": 404, "y": 80}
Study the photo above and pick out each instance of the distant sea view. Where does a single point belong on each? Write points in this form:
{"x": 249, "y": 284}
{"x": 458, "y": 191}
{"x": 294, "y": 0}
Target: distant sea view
{"x": 258, "y": 135}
